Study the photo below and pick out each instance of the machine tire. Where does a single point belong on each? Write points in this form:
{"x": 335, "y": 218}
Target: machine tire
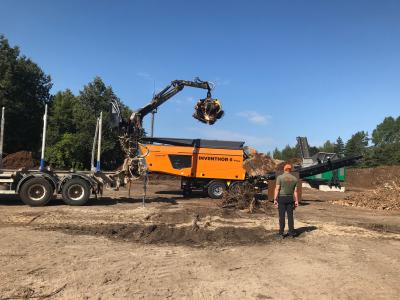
{"x": 236, "y": 187}
{"x": 76, "y": 192}
{"x": 36, "y": 191}
{"x": 216, "y": 189}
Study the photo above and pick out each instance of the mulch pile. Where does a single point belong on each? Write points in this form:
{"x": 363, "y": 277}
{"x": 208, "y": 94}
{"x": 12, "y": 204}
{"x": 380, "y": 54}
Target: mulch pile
{"x": 20, "y": 159}
{"x": 386, "y": 197}
{"x": 370, "y": 178}
{"x": 258, "y": 163}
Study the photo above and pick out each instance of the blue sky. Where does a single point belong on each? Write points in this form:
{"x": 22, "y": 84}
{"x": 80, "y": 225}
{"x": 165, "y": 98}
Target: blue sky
{"x": 320, "y": 69}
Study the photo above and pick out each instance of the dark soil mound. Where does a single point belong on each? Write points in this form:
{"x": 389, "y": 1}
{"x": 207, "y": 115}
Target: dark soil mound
{"x": 169, "y": 233}
{"x": 21, "y": 159}
{"x": 370, "y": 178}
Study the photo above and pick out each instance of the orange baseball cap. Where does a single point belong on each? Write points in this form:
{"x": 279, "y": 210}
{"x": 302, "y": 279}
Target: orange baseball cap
{"x": 287, "y": 167}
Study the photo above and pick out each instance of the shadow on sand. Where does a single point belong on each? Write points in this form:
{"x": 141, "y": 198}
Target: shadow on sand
{"x": 10, "y": 200}
{"x": 299, "y": 231}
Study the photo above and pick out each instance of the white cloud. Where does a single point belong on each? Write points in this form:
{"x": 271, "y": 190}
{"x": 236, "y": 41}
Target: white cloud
{"x": 254, "y": 117}
{"x": 229, "y": 135}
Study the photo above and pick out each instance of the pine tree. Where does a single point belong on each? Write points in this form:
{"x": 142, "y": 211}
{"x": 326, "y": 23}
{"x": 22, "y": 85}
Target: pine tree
{"x": 276, "y": 154}
{"x": 339, "y": 147}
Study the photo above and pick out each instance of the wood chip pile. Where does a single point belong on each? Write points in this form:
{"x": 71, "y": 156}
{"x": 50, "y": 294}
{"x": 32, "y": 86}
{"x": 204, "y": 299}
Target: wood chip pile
{"x": 258, "y": 163}
{"x": 385, "y": 197}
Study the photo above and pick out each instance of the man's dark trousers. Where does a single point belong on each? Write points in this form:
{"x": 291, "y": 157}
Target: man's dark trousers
{"x": 286, "y": 204}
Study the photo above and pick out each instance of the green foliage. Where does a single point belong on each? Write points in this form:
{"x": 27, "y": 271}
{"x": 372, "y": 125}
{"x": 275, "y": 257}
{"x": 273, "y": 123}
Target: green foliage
{"x": 287, "y": 153}
{"x": 387, "y": 132}
{"x": 24, "y": 90}
{"x": 61, "y": 116}
{"x": 72, "y": 124}
{"x": 290, "y": 152}
{"x": 328, "y": 146}
{"x": 357, "y": 144}
{"x": 67, "y": 153}
{"x": 339, "y": 147}
{"x": 277, "y": 154}
{"x": 386, "y": 139}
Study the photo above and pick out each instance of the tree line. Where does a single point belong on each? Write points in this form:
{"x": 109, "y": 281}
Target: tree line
{"x": 25, "y": 90}
{"x": 382, "y": 147}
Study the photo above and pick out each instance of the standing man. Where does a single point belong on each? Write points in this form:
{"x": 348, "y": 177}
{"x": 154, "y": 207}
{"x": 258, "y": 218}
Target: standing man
{"x": 286, "y": 199}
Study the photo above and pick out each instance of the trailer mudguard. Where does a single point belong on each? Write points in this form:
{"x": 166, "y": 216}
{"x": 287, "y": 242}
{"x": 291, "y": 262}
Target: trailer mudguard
{"x": 51, "y": 179}
{"x": 92, "y": 183}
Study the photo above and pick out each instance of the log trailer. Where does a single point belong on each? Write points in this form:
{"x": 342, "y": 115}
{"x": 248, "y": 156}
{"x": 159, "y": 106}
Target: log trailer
{"x": 36, "y": 187}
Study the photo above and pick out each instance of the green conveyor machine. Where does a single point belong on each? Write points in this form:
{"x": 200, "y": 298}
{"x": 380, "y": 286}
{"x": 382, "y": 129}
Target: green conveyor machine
{"x": 331, "y": 178}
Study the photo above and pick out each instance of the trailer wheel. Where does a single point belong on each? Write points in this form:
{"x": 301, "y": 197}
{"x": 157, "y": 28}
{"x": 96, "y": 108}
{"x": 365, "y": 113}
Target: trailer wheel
{"x": 75, "y": 192}
{"x": 36, "y": 191}
{"x": 216, "y": 189}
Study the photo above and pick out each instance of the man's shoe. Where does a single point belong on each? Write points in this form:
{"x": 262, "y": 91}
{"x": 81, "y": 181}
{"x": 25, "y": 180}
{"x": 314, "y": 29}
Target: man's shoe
{"x": 292, "y": 234}
{"x": 280, "y": 236}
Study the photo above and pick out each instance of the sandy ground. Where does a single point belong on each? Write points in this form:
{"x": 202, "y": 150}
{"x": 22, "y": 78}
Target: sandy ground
{"x": 116, "y": 249}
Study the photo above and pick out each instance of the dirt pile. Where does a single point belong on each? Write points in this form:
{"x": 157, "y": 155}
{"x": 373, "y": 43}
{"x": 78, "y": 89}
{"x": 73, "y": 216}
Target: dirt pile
{"x": 386, "y": 196}
{"x": 20, "y": 159}
{"x": 208, "y": 111}
{"x": 258, "y": 163}
{"x": 171, "y": 234}
{"x": 370, "y": 178}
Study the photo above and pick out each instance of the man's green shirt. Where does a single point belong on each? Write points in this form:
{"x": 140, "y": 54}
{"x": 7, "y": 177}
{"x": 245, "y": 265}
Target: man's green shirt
{"x": 288, "y": 183}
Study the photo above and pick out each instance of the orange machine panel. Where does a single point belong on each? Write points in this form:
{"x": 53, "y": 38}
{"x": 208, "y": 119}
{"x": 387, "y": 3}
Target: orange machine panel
{"x": 195, "y": 162}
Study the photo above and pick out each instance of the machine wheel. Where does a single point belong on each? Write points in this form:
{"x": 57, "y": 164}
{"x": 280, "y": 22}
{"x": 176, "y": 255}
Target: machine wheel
{"x": 216, "y": 189}
{"x": 75, "y": 192}
{"x": 236, "y": 187}
{"x": 36, "y": 191}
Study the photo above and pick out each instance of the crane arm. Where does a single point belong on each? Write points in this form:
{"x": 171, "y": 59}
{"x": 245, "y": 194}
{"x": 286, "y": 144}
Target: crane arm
{"x": 207, "y": 110}
{"x": 171, "y": 90}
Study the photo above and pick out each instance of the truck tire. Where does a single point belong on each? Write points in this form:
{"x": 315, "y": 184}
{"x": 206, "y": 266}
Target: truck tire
{"x": 216, "y": 189}
{"x": 75, "y": 192}
{"x": 36, "y": 191}
{"x": 236, "y": 187}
